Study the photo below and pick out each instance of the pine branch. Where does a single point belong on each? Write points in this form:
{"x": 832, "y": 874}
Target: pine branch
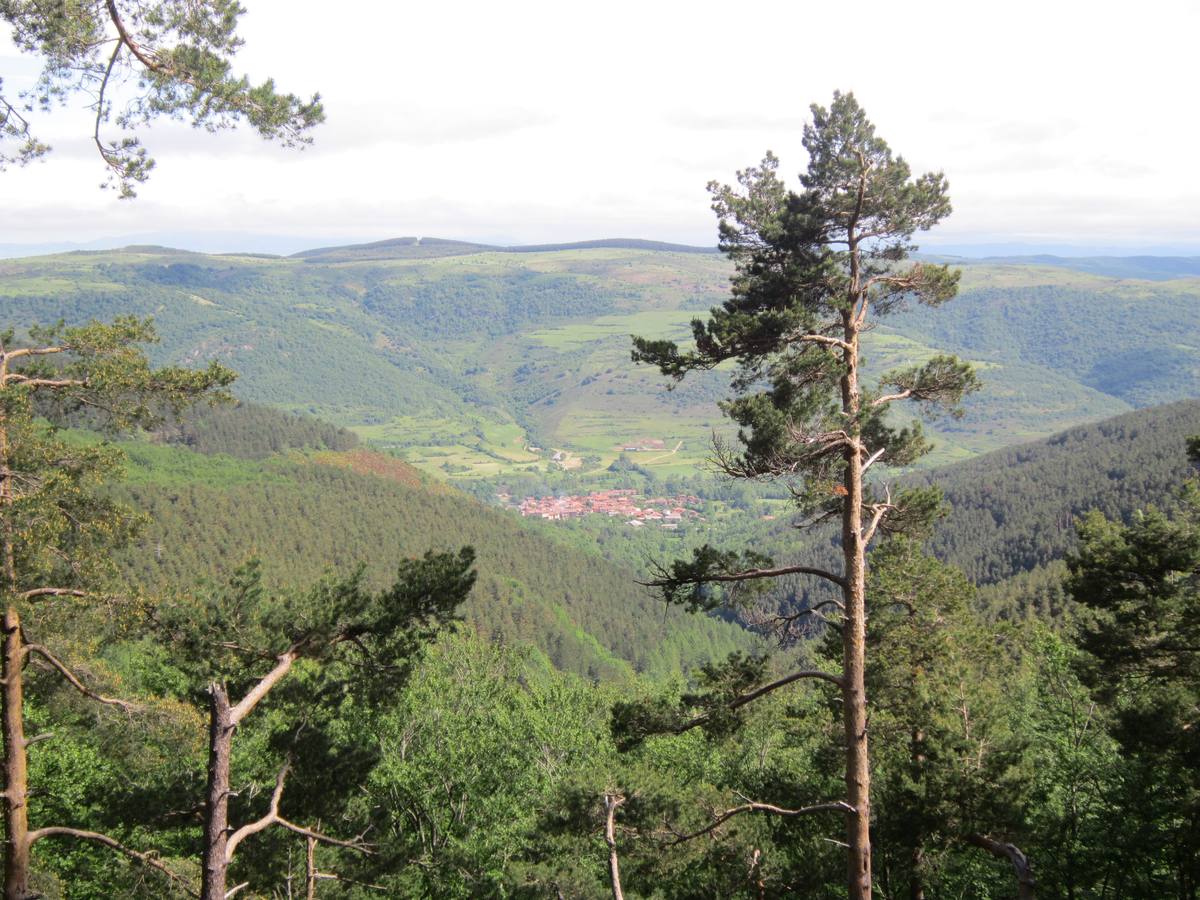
{"x": 74, "y": 681}
{"x": 146, "y": 859}
{"x": 754, "y": 807}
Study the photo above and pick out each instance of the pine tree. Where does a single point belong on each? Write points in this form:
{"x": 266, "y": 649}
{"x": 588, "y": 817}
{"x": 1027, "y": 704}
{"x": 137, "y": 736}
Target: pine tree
{"x": 57, "y": 527}
{"x": 814, "y": 269}
{"x": 177, "y": 54}
{"x": 1141, "y": 584}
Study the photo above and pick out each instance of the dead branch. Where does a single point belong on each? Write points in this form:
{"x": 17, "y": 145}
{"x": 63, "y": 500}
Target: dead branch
{"x": 283, "y": 665}
{"x": 146, "y": 859}
{"x": 274, "y": 818}
{"x": 74, "y": 681}
{"x": 746, "y": 575}
{"x": 53, "y": 592}
{"x": 1020, "y": 862}
{"x": 753, "y": 695}
{"x": 611, "y": 803}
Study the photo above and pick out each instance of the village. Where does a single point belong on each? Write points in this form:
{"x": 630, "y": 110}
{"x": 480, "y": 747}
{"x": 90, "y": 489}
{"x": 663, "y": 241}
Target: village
{"x": 638, "y": 512}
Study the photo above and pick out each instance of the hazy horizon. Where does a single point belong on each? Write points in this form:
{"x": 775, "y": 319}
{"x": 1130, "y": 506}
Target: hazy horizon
{"x": 535, "y": 123}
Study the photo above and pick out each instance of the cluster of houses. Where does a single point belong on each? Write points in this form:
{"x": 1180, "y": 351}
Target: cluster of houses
{"x": 666, "y": 512}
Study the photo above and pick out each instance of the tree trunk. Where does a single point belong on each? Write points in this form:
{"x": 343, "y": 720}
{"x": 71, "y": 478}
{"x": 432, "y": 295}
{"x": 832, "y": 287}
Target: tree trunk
{"x": 854, "y": 642}
{"x": 16, "y": 813}
{"x": 8, "y": 551}
{"x": 310, "y": 867}
{"x": 916, "y": 878}
{"x": 611, "y": 802}
{"x": 1026, "y": 884}
{"x": 216, "y": 804}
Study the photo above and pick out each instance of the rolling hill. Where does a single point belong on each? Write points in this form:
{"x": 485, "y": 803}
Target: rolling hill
{"x": 468, "y": 357}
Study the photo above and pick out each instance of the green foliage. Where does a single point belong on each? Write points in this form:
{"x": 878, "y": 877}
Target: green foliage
{"x": 230, "y": 634}
{"x": 1109, "y": 335}
{"x": 58, "y": 527}
{"x": 1141, "y": 584}
{"x": 251, "y": 431}
{"x": 1012, "y": 511}
{"x": 470, "y": 755}
{"x": 179, "y": 56}
{"x": 949, "y": 695}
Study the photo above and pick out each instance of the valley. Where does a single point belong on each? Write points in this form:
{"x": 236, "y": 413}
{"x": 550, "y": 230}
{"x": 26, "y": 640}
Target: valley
{"x": 463, "y": 359}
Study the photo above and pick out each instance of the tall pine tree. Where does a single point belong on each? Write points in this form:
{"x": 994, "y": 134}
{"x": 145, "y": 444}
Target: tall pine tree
{"x": 814, "y": 269}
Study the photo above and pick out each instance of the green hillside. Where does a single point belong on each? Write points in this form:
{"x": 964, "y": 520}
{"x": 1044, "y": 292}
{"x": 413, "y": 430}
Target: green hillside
{"x": 305, "y": 512}
{"x": 1010, "y": 513}
{"x": 467, "y": 357}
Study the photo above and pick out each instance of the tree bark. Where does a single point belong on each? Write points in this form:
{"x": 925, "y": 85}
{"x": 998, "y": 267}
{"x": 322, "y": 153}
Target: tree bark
{"x": 854, "y": 632}
{"x": 216, "y": 804}
{"x": 916, "y": 878}
{"x": 310, "y": 868}
{"x": 611, "y": 802}
{"x": 16, "y": 788}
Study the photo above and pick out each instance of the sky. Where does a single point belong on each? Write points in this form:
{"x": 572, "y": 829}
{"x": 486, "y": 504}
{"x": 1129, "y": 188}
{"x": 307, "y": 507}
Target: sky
{"x": 1059, "y": 124}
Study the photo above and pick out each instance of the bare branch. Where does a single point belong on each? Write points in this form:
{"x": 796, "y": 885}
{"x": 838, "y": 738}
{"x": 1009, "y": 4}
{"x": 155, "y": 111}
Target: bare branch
{"x": 38, "y": 738}
{"x": 31, "y": 351}
{"x": 747, "y": 575}
{"x": 753, "y": 695}
{"x": 822, "y": 339}
{"x": 770, "y": 809}
{"x": 1020, "y": 863}
{"x": 611, "y": 804}
{"x": 891, "y": 398}
{"x": 74, "y": 681}
{"x": 146, "y": 859}
{"x": 878, "y": 511}
{"x": 260, "y": 690}
{"x": 18, "y": 378}
{"x": 274, "y": 818}
{"x": 783, "y": 625}
{"x": 872, "y": 459}
{"x": 53, "y": 592}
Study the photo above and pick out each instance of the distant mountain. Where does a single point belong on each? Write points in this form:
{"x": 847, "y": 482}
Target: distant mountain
{"x": 1147, "y": 268}
{"x": 427, "y": 248}
{"x": 615, "y": 244}
{"x": 395, "y": 248}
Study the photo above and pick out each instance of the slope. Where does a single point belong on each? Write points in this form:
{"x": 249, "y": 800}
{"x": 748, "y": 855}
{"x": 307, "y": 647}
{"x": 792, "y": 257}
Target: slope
{"x": 306, "y": 512}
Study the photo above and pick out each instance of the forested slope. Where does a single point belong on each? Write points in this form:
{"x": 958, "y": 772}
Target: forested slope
{"x": 1010, "y": 514}
{"x": 1014, "y": 510}
{"x": 305, "y": 514}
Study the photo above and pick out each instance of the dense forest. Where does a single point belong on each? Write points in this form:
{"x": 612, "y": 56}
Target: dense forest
{"x": 486, "y": 774}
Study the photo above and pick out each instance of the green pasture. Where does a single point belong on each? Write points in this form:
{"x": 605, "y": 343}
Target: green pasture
{"x": 655, "y": 323}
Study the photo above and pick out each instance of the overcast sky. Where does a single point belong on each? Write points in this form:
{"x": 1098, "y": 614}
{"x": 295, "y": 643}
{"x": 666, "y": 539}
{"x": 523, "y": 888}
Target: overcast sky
{"x": 1056, "y": 122}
